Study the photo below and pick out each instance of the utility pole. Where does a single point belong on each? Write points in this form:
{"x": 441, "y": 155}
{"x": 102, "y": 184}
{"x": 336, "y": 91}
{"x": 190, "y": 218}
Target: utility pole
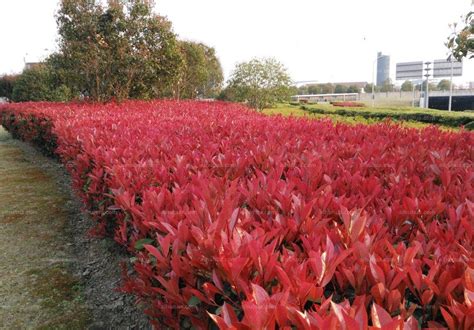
{"x": 427, "y": 75}
{"x": 451, "y": 85}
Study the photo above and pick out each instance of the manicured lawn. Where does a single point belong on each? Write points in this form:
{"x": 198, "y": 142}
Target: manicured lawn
{"x": 427, "y": 116}
{"x": 330, "y": 113}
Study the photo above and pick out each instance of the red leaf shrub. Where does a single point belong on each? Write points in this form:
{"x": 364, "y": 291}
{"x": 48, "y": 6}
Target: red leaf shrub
{"x": 248, "y": 222}
{"x": 348, "y": 104}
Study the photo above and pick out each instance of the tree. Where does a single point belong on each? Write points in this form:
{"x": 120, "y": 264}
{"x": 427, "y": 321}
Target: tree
{"x": 353, "y": 89}
{"x": 303, "y": 90}
{"x": 432, "y": 87}
{"x": 7, "y": 83}
{"x": 340, "y": 89}
{"x": 387, "y": 86}
{"x": 407, "y": 86}
{"x": 37, "y": 84}
{"x": 444, "y": 85}
{"x": 314, "y": 89}
{"x": 461, "y": 44}
{"x": 260, "y": 82}
{"x": 368, "y": 88}
{"x": 119, "y": 51}
{"x": 201, "y": 74}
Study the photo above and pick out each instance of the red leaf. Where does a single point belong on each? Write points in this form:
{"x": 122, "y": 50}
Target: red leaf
{"x": 260, "y": 296}
{"x": 380, "y": 317}
{"x": 448, "y": 319}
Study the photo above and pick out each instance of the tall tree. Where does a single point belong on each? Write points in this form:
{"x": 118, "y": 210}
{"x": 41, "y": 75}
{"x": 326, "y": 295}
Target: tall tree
{"x": 387, "y": 86}
{"x": 407, "y": 86}
{"x": 260, "y": 82}
{"x": 340, "y": 89}
{"x": 7, "y": 83}
{"x": 353, "y": 89}
{"x": 444, "y": 85}
{"x": 118, "y": 51}
{"x": 39, "y": 84}
{"x": 368, "y": 88}
{"x": 327, "y": 88}
{"x": 201, "y": 74}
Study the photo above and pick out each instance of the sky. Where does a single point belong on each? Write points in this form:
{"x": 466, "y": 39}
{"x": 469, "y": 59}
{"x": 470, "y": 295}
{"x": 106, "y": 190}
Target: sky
{"x": 325, "y": 41}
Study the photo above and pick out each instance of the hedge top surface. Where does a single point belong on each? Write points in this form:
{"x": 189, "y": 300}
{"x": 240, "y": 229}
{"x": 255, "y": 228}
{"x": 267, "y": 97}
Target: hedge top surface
{"x": 253, "y": 221}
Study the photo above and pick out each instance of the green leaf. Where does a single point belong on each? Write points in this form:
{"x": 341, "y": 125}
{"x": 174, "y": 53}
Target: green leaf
{"x": 139, "y": 244}
{"x": 193, "y": 301}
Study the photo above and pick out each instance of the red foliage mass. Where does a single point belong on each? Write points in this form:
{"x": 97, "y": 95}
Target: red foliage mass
{"x": 348, "y": 104}
{"x": 252, "y": 222}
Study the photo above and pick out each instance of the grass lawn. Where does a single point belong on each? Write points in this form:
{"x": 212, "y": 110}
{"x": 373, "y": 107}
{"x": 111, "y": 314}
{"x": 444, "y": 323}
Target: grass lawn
{"x": 368, "y": 115}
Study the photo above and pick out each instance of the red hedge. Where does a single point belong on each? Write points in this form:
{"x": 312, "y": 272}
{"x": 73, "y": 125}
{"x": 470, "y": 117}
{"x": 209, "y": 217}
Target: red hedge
{"x": 348, "y": 104}
{"x": 253, "y": 222}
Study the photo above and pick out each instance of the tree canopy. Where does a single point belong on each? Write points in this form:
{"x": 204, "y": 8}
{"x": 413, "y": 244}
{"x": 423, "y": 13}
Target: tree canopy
{"x": 122, "y": 50}
{"x": 7, "y": 82}
{"x": 38, "y": 84}
{"x": 260, "y": 82}
{"x": 444, "y": 85}
{"x": 407, "y": 86}
{"x": 201, "y": 75}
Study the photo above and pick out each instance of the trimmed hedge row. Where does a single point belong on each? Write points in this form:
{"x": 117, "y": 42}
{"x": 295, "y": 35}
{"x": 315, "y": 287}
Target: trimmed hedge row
{"x": 20, "y": 127}
{"x": 424, "y": 117}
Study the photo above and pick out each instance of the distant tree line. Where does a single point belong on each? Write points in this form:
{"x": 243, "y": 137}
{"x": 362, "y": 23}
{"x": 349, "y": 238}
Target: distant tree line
{"x": 327, "y": 88}
{"x": 117, "y": 51}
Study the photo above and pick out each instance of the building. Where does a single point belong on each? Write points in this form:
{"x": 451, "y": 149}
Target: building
{"x": 325, "y": 98}
{"x": 383, "y": 68}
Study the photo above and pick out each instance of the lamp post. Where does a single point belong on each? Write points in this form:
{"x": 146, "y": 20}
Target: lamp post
{"x": 427, "y": 75}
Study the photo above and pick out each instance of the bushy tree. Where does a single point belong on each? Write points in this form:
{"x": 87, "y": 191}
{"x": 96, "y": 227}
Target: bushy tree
{"x": 387, "y": 86}
{"x": 444, "y": 85}
{"x": 7, "y": 83}
{"x": 201, "y": 75}
{"x": 122, "y": 50}
{"x": 314, "y": 89}
{"x": 432, "y": 87}
{"x": 340, "y": 89}
{"x": 303, "y": 90}
{"x": 327, "y": 88}
{"x": 37, "y": 84}
{"x": 368, "y": 88}
{"x": 260, "y": 82}
{"x": 353, "y": 89}
{"x": 407, "y": 86}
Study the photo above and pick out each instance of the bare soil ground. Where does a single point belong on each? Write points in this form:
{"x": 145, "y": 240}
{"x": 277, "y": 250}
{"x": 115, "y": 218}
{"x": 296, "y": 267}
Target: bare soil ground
{"x": 53, "y": 275}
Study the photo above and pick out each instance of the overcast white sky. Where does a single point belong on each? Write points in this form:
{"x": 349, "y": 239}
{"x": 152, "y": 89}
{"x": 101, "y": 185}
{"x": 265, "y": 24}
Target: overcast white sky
{"x": 331, "y": 40}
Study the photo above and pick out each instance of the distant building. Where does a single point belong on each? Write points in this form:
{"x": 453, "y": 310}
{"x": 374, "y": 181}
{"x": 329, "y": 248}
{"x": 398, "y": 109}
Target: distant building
{"x": 383, "y": 68}
{"x": 325, "y": 98}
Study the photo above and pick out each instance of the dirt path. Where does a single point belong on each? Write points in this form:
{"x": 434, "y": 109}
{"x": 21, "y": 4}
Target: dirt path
{"x": 52, "y": 274}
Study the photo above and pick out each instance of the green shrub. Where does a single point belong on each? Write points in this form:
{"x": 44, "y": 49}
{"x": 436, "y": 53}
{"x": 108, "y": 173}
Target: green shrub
{"x": 469, "y": 126}
{"x": 424, "y": 116}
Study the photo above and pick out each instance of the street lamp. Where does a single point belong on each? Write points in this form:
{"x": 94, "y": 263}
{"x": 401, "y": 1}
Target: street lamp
{"x": 427, "y": 75}
{"x": 452, "y": 71}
